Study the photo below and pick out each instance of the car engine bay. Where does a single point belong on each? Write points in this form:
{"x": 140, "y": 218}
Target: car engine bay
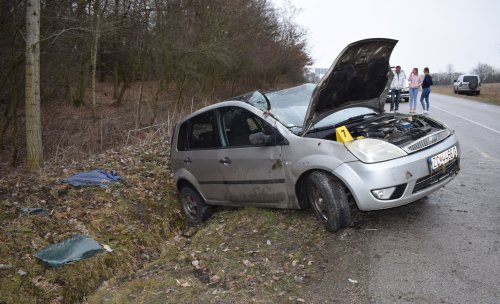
{"x": 400, "y": 130}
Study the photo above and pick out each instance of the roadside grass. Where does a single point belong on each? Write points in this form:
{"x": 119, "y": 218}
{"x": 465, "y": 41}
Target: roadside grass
{"x": 490, "y": 92}
{"x": 240, "y": 255}
{"x": 133, "y": 217}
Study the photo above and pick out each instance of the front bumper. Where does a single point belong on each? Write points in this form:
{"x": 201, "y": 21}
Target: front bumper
{"x": 411, "y": 173}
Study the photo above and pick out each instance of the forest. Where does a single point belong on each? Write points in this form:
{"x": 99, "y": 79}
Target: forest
{"x": 112, "y": 70}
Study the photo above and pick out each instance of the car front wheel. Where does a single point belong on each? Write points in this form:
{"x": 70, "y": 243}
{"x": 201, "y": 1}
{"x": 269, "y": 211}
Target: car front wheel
{"x": 193, "y": 205}
{"x": 328, "y": 199}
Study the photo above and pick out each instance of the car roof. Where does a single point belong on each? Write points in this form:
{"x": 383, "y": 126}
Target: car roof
{"x": 217, "y": 105}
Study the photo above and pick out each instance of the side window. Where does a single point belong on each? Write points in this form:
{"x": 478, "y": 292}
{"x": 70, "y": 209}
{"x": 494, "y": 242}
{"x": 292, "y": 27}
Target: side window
{"x": 238, "y": 124}
{"x": 201, "y": 133}
{"x": 182, "y": 138}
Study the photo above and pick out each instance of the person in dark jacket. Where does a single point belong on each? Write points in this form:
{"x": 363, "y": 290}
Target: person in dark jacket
{"x": 426, "y": 90}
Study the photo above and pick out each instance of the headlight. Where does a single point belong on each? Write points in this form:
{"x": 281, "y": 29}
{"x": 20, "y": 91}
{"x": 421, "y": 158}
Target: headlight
{"x": 369, "y": 150}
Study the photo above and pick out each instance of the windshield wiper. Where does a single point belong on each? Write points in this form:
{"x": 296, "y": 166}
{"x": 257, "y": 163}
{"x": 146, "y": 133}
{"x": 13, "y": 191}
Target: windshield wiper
{"x": 353, "y": 119}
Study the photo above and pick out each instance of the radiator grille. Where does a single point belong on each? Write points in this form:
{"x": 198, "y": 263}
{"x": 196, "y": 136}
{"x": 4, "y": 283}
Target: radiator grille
{"x": 427, "y": 141}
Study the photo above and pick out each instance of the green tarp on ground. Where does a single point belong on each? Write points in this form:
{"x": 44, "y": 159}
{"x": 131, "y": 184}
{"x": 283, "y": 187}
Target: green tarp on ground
{"x": 75, "y": 248}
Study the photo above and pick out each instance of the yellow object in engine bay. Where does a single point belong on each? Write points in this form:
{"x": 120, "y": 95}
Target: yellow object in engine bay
{"x": 342, "y": 134}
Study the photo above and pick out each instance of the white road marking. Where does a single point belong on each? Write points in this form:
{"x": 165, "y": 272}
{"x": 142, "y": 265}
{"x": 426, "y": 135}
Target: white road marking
{"x": 469, "y": 120}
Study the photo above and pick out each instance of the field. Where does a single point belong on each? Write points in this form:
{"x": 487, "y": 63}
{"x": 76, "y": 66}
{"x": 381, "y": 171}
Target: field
{"x": 490, "y": 92}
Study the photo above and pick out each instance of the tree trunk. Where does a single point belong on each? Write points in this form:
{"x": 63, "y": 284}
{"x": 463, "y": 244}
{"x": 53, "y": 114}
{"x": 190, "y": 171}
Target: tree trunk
{"x": 94, "y": 55}
{"x": 123, "y": 88}
{"x": 139, "y": 102}
{"x": 82, "y": 82}
{"x": 155, "y": 103}
{"x": 116, "y": 46}
{"x": 34, "y": 157}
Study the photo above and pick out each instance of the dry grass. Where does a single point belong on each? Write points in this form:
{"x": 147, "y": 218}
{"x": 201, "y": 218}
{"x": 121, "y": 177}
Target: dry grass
{"x": 239, "y": 256}
{"x": 134, "y": 217}
{"x": 490, "y": 92}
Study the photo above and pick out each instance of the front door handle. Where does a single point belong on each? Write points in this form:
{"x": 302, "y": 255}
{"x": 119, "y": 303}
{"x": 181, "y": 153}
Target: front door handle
{"x": 225, "y": 161}
{"x": 187, "y": 161}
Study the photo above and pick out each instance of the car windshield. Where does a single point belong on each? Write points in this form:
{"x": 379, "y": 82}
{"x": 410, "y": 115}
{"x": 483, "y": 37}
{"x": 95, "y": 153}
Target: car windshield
{"x": 289, "y": 107}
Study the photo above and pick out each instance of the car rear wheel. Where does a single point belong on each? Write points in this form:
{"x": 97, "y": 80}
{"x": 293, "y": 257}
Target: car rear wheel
{"x": 193, "y": 205}
{"x": 328, "y": 199}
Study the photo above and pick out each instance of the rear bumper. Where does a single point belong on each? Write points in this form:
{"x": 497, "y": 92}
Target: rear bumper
{"x": 466, "y": 89}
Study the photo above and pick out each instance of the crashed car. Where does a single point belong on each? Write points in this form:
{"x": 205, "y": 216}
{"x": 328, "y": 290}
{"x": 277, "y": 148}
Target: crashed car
{"x": 313, "y": 146}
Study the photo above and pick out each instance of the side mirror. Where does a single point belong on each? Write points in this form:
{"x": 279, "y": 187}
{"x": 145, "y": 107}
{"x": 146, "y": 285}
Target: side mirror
{"x": 261, "y": 139}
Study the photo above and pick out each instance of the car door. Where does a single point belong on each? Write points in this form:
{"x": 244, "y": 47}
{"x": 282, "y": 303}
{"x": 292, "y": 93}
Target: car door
{"x": 199, "y": 145}
{"x": 253, "y": 174}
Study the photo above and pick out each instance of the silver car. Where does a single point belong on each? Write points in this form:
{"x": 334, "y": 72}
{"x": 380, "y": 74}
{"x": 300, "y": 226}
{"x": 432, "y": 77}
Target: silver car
{"x": 468, "y": 84}
{"x": 313, "y": 146}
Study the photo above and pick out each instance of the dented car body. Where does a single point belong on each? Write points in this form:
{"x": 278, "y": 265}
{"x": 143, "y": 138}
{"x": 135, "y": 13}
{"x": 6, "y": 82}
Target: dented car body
{"x": 313, "y": 146}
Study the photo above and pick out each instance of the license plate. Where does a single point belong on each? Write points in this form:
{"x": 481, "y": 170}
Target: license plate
{"x": 439, "y": 161}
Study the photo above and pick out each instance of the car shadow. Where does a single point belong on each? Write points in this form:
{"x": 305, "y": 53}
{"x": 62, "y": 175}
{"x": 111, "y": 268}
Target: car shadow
{"x": 393, "y": 217}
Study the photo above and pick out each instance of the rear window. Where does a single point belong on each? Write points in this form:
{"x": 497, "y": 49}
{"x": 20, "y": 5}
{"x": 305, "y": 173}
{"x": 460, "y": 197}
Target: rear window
{"x": 470, "y": 78}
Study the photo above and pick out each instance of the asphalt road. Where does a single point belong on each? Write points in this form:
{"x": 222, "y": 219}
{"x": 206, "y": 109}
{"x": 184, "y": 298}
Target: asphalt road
{"x": 442, "y": 249}
{"x": 446, "y": 248}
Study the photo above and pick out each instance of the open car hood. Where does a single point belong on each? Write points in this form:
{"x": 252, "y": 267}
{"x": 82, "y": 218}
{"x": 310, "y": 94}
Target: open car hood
{"x": 358, "y": 77}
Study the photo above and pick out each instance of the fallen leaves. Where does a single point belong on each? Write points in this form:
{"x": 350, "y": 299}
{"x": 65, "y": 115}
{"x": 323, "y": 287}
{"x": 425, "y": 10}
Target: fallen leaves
{"x": 182, "y": 283}
{"x": 143, "y": 202}
{"x": 247, "y": 263}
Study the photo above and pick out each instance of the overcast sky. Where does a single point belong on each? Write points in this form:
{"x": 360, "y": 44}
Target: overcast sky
{"x": 432, "y": 33}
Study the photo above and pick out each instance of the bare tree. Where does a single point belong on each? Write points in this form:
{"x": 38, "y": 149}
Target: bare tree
{"x": 95, "y": 45}
{"x": 186, "y": 52}
{"x": 32, "y": 86}
{"x": 450, "y": 70}
{"x": 484, "y": 71}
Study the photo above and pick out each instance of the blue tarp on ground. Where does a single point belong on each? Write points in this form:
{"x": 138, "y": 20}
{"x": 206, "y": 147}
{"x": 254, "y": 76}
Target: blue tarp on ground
{"x": 93, "y": 178}
{"x": 75, "y": 248}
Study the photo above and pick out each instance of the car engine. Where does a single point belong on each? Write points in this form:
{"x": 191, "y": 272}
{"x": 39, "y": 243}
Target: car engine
{"x": 400, "y": 130}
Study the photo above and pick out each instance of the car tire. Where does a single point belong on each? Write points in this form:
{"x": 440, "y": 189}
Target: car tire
{"x": 478, "y": 92}
{"x": 193, "y": 206}
{"x": 328, "y": 199}
{"x": 454, "y": 91}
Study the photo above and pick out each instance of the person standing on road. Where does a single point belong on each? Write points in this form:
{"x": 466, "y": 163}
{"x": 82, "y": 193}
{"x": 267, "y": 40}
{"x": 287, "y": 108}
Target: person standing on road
{"x": 426, "y": 90}
{"x": 414, "y": 82}
{"x": 397, "y": 84}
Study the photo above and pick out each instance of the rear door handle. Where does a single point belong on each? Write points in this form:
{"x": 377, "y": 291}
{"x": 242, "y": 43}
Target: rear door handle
{"x": 225, "y": 161}
{"x": 187, "y": 161}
